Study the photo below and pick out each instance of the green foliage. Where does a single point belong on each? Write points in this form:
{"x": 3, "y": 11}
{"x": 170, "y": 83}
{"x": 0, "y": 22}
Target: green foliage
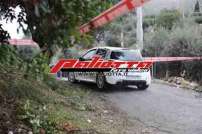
{"x": 41, "y": 108}
{"x": 86, "y": 40}
{"x": 125, "y": 25}
{"x": 198, "y": 19}
{"x": 165, "y": 20}
{"x": 8, "y": 55}
{"x": 48, "y": 118}
{"x": 168, "y": 18}
{"x": 184, "y": 40}
{"x": 37, "y": 117}
{"x": 53, "y": 22}
{"x": 181, "y": 42}
{"x": 17, "y": 87}
{"x": 38, "y": 67}
{"x": 197, "y": 7}
{"x": 4, "y": 36}
{"x": 155, "y": 42}
{"x": 149, "y": 21}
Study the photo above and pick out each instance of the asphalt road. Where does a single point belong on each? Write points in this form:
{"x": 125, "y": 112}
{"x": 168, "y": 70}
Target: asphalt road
{"x": 169, "y": 109}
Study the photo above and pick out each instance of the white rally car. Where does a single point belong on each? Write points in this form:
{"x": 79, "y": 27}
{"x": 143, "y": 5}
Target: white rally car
{"x": 141, "y": 79}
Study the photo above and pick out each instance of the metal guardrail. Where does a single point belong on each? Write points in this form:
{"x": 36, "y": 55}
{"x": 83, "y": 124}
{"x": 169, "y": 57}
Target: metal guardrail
{"x": 169, "y": 59}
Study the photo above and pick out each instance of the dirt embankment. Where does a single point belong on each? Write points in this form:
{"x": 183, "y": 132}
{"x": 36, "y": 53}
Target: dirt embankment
{"x": 50, "y": 106}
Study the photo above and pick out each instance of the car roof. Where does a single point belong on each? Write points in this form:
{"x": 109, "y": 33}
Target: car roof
{"x": 114, "y": 48}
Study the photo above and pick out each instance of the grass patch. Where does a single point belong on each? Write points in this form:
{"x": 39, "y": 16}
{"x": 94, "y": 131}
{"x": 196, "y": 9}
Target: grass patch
{"x": 45, "y": 106}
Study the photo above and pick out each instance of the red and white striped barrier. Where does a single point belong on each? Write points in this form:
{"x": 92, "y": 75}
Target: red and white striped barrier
{"x": 169, "y": 59}
{"x": 124, "y": 6}
{"x": 23, "y": 42}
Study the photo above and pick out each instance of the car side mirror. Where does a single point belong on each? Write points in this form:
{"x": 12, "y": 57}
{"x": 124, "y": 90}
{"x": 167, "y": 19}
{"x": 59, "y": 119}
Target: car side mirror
{"x": 81, "y": 59}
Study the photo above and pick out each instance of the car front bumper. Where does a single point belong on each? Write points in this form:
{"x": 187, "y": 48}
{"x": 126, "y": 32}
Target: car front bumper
{"x": 130, "y": 82}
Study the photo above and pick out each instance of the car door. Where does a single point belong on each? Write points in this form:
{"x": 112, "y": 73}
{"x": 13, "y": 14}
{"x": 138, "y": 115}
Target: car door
{"x": 102, "y": 52}
{"x": 86, "y": 57}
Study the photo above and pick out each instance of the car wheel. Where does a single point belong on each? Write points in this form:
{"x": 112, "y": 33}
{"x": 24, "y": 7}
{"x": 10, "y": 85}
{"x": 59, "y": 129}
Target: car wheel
{"x": 101, "y": 81}
{"x": 71, "y": 77}
{"x": 142, "y": 86}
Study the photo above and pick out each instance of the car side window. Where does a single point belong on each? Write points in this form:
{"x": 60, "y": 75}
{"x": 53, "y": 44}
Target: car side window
{"x": 89, "y": 55}
{"x": 102, "y": 53}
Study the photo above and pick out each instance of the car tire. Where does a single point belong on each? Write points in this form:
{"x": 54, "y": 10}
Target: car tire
{"x": 71, "y": 77}
{"x": 101, "y": 81}
{"x": 142, "y": 86}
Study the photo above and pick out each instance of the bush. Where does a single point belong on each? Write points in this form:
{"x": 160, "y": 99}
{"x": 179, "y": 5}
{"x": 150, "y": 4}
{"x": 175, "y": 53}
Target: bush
{"x": 155, "y": 42}
{"x": 8, "y": 55}
{"x": 37, "y": 117}
{"x": 38, "y": 67}
{"x": 184, "y": 40}
{"x": 149, "y": 21}
{"x": 168, "y": 18}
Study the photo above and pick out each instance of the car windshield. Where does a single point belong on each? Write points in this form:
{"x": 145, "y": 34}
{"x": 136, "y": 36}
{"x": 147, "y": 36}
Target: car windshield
{"x": 126, "y": 55}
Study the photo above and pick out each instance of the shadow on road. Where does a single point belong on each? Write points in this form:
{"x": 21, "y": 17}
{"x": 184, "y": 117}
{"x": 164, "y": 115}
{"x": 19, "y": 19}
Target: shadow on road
{"x": 111, "y": 89}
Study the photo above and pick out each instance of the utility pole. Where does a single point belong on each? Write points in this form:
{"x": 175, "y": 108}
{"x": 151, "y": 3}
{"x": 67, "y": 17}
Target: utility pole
{"x": 122, "y": 37}
{"x": 139, "y": 32}
{"x": 181, "y": 7}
